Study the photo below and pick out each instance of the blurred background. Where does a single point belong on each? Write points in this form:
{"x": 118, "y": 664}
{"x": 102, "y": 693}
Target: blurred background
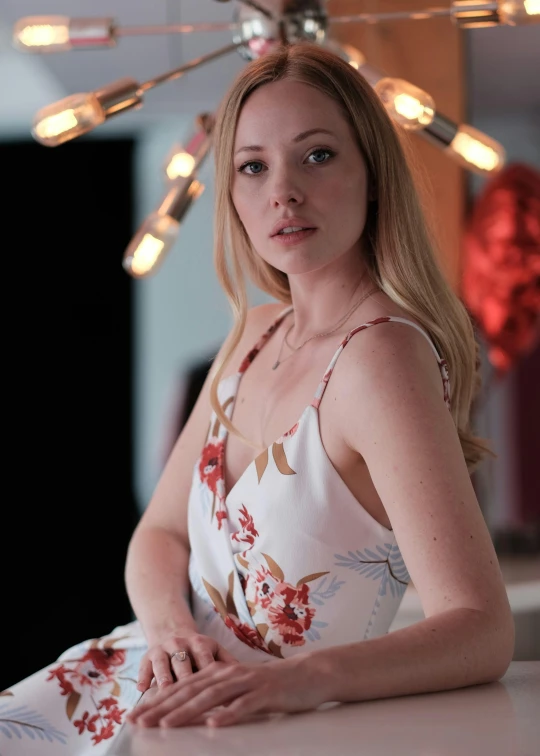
{"x": 104, "y": 366}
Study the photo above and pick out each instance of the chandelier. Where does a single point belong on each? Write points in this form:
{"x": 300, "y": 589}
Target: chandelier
{"x": 257, "y": 27}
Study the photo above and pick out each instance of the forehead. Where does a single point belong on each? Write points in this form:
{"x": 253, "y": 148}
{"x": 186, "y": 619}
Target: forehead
{"x": 282, "y": 109}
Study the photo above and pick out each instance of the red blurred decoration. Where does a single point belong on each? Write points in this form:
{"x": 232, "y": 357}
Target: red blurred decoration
{"x": 501, "y": 264}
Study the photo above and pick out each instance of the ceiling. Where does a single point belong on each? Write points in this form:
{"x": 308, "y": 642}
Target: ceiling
{"x": 502, "y": 63}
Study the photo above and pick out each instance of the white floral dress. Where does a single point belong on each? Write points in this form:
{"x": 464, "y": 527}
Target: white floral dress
{"x": 288, "y": 560}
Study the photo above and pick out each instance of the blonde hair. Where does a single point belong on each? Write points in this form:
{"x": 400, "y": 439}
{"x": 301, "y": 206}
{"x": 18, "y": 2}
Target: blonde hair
{"x": 401, "y": 256}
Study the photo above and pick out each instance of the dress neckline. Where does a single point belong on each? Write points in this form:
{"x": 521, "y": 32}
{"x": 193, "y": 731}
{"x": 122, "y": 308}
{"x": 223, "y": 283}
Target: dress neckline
{"x": 315, "y": 402}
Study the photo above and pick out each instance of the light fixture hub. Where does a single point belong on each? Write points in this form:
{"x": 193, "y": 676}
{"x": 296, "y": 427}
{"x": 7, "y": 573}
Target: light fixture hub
{"x": 295, "y": 21}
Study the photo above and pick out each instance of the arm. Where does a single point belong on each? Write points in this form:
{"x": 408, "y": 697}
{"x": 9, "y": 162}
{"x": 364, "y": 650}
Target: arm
{"x": 158, "y": 553}
{"x": 389, "y": 382}
{"x": 411, "y": 447}
{"x": 156, "y": 572}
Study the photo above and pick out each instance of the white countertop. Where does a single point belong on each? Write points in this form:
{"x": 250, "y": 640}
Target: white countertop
{"x": 499, "y": 719}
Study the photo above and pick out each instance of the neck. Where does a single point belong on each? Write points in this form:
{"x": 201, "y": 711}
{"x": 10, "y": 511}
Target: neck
{"x": 321, "y": 298}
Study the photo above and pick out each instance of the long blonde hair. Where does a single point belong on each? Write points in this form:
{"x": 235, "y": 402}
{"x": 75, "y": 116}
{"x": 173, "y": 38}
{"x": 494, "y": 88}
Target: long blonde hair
{"x": 401, "y": 259}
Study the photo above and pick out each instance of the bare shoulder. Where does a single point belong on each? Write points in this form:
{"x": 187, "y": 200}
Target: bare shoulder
{"x": 258, "y": 321}
{"x": 390, "y": 356}
{"x": 261, "y": 317}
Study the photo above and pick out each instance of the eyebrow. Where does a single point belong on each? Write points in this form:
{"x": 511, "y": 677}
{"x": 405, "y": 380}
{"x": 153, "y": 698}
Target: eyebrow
{"x": 298, "y": 138}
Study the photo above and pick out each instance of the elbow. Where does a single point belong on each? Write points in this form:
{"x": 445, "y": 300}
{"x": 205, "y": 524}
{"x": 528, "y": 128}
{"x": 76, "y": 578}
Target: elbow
{"x": 500, "y": 651}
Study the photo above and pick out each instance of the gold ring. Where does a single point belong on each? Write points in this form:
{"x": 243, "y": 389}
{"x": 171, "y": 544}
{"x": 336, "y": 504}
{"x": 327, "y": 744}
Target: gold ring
{"x": 182, "y": 655}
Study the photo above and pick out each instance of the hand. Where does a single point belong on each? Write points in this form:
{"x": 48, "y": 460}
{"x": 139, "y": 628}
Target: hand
{"x": 159, "y": 663}
{"x": 241, "y": 691}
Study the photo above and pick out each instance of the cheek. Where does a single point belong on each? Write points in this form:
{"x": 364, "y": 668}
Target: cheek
{"x": 345, "y": 200}
{"x": 245, "y": 201}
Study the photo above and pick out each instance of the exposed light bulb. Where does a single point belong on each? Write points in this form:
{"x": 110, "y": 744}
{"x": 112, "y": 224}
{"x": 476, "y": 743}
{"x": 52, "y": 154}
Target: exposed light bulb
{"x": 476, "y": 151}
{"x": 519, "y": 12}
{"x": 159, "y": 230}
{"x": 80, "y": 113}
{"x": 180, "y": 164}
{"x": 42, "y": 33}
{"x": 45, "y": 34}
{"x": 153, "y": 240}
{"x": 67, "y": 119}
{"x": 410, "y": 106}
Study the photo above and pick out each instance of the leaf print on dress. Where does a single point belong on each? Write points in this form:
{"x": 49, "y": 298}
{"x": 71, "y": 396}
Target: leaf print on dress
{"x": 387, "y": 565}
{"x": 280, "y": 458}
{"x": 319, "y": 595}
{"x": 226, "y": 608}
{"x": 23, "y": 721}
{"x": 278, "y": 452}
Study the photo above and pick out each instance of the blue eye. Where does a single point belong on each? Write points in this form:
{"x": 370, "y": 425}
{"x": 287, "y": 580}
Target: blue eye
{"x": 326, "y": 153}
{"x": 252, "y": 163}
{"x": 322, "y": 151}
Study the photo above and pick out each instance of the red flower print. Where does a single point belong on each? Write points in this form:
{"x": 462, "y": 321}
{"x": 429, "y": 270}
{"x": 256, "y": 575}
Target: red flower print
{"x": 114, "y": 714}
{"x": 97, "y": 666}
{"x": 288, "y": 434}
{"x": 105, "y": 658}
{"x": 247, "y": 534}
{"x": 248, "y": 359}
{"x": 211, "y": 465}
{"x": 220, "y": 516}
{"x": 260, "y": 587}
{"x": 59, "y": 674}
{"x": 289, "y": 612}
{"x": 106, "y": 732}
{"x": 86, "y": 723}
{"x": 245, "y": 632}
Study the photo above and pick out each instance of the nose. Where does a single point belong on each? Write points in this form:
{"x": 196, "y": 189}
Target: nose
{"x": 285, "y": 190}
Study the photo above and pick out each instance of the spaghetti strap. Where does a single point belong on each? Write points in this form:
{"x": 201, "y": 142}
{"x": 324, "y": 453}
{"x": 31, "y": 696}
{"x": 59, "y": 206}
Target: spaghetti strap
{"x": 442, "y": 363}
{"x": 250, "y": 356}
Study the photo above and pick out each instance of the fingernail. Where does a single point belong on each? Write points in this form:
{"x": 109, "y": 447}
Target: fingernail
{"x": 164, "y": 680}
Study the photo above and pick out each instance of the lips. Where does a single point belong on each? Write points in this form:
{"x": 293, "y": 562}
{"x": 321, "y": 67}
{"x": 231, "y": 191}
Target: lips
{"x": 291, "y": 223}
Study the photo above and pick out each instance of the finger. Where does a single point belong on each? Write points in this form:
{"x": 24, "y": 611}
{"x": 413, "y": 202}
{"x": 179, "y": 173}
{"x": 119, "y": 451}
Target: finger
{"x": 148, "y": 712}
{"x": 181, "y": 669}
{"x": 162, "y": 669}
{"x": 202, "y": 655}
{"x": 145, "y": 713}
{"x": 145, "y": 675}
{"x": 239, "y": 710}
{"x": 175, "y": 714}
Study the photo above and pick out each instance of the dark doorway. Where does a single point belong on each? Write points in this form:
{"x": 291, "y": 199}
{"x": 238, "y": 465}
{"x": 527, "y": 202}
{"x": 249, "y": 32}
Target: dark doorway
{"x": 68, "y": 508}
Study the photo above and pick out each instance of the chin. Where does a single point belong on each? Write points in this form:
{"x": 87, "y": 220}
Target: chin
{"x": 296, "y": 260}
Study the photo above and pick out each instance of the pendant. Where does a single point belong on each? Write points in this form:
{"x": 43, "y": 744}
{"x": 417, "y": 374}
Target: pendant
{"x": 275, "y": 365}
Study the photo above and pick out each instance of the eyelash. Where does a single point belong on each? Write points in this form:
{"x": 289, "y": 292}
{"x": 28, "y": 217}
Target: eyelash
{"x": 330, "y": 152}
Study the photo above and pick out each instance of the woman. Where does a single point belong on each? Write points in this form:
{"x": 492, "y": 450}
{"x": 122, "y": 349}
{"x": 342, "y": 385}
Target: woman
{"x": 336, "y": 465}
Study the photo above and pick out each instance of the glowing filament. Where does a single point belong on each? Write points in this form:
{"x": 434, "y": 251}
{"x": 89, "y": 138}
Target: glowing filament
{"x": 146, "y": 254}
{"x": 408, "y": 105}
{"x": 181, "y": 164}
{"x": 42, "y": 33}
{"x": 477, "y": 150}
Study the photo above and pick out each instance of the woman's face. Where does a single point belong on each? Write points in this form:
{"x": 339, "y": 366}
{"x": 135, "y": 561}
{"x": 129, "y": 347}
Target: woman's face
{"x": 296, "y": 160}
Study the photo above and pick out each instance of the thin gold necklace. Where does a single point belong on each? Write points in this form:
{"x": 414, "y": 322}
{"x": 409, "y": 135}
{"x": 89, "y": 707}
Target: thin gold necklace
{"x": 344, "y": 319}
